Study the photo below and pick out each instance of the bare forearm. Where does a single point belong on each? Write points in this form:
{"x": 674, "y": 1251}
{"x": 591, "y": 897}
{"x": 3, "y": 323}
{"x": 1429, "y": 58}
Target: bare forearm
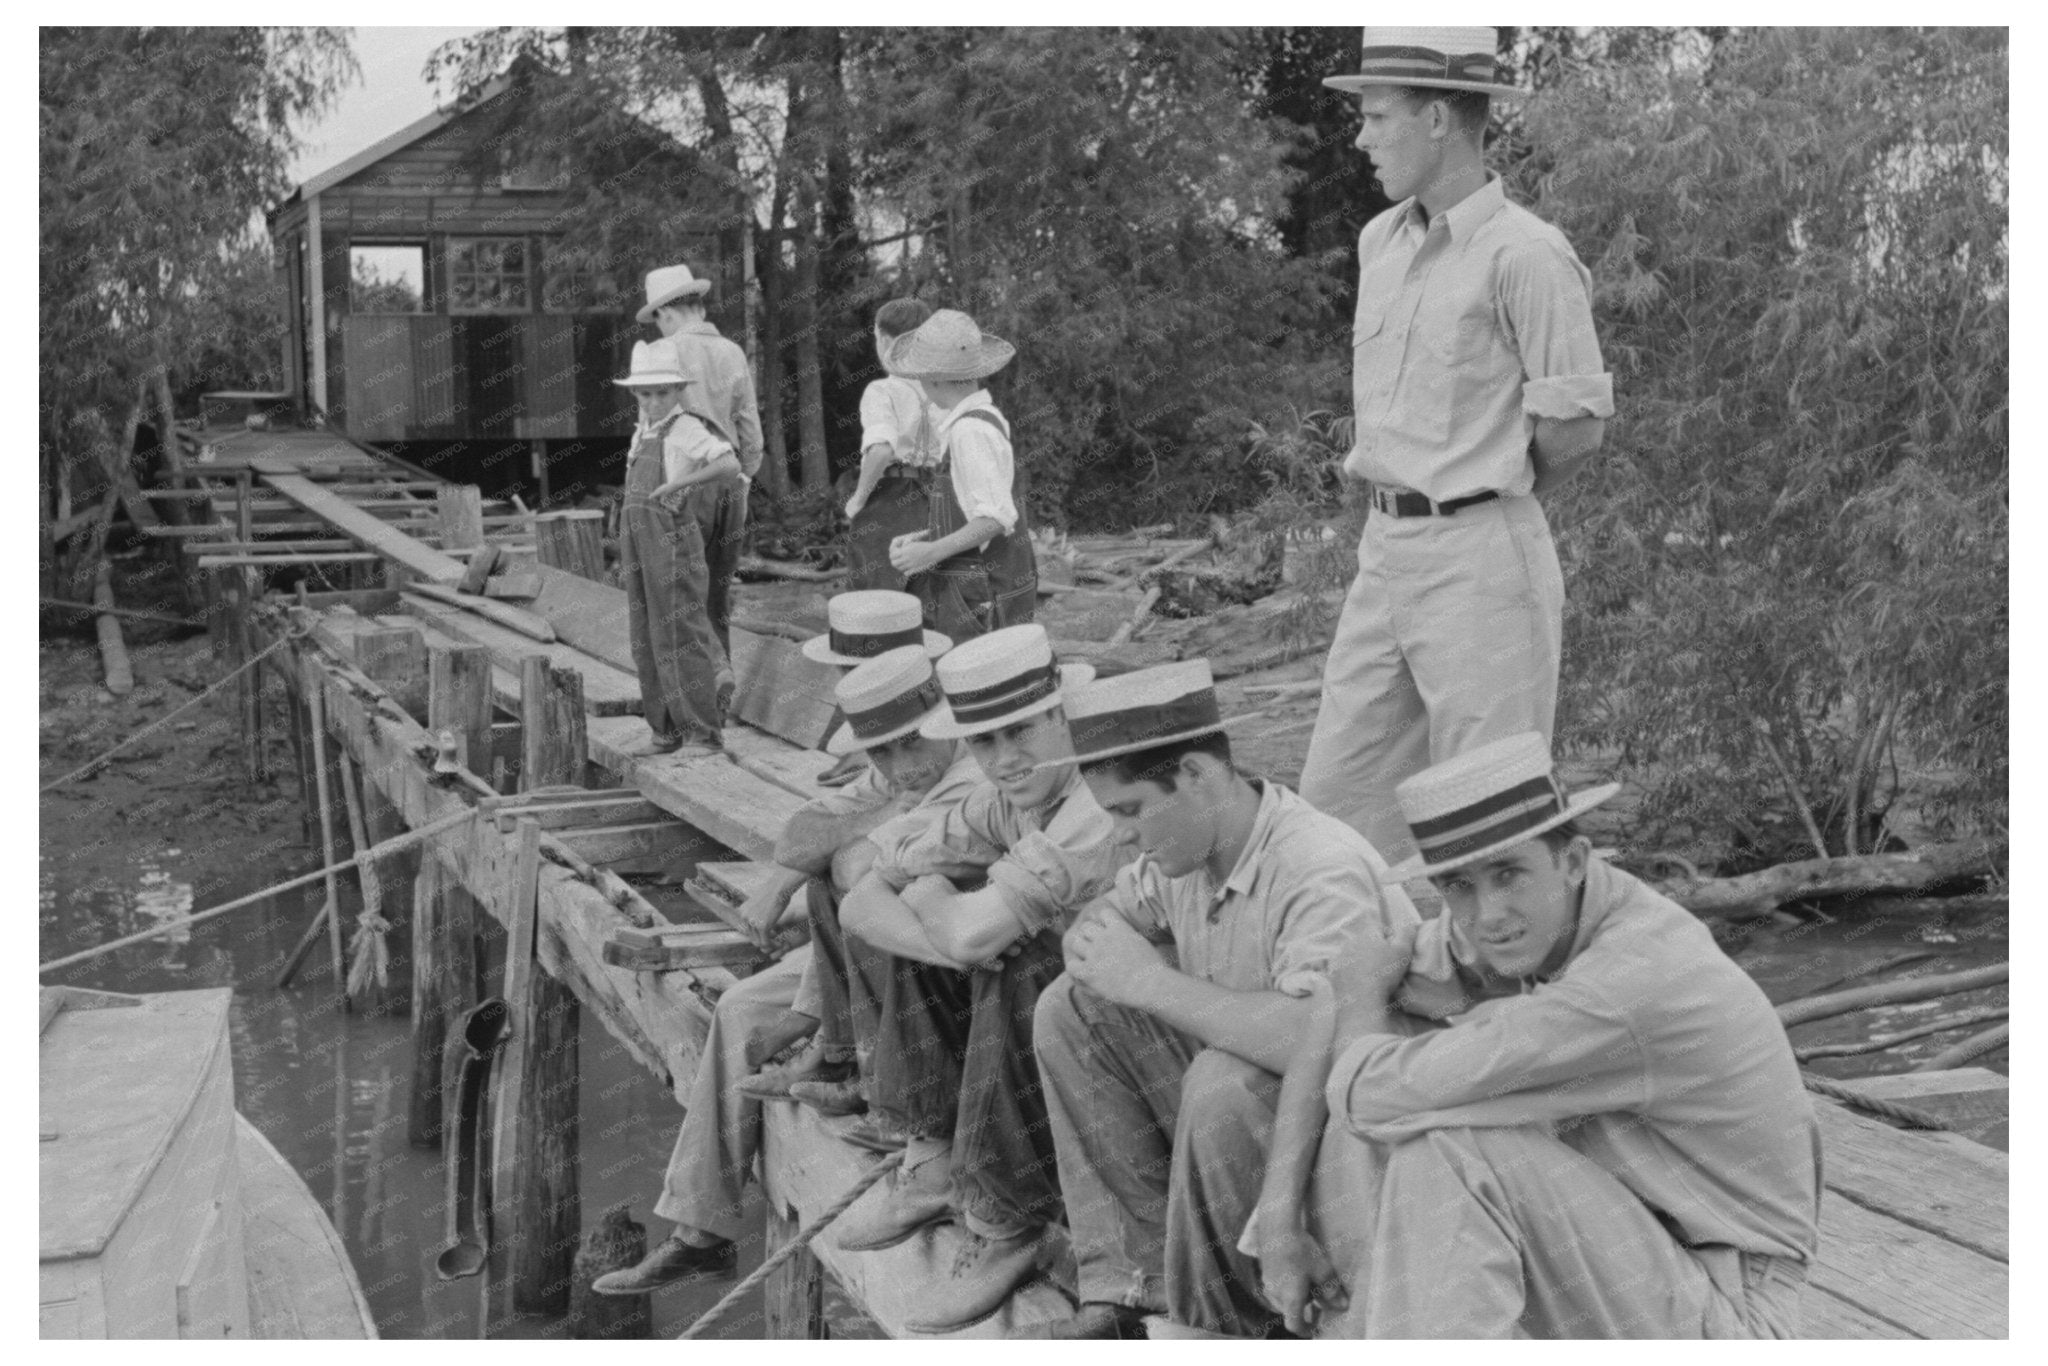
{"x": 1300, "y": 1113}
{"x": 811, "y": 839}
{"x": 1562, "y": 447}
{"x": 977, "y": 533}
{"x": 1262, "y": 1027}
{"x": 724, "y": 467}
{"x": 875, "y": 914}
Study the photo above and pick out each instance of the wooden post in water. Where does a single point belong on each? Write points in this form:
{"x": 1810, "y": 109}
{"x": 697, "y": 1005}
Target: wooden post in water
{"x": 444, "y": 964}
{"x": 793, "y": 1296}
{"x": 549, "y": 1209}
{"x": 513, "y": 1236}
{"x": 396, "y": 660}
{"x": 572, "y": 542}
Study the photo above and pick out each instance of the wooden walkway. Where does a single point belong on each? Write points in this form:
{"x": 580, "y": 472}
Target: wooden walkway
{"x": 1914, "y": 1225}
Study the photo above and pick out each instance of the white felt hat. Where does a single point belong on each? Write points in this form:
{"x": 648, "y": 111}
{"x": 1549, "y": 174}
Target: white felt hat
{"x": 885, "y": 698}
{"x": 947, "y": 346}
{"x": 1436, "y": 58}
{"x": 1483, "y": 801}
{"x": 868, "y": 621}
{"x": 999, "y": 679}
{"x": 666, "y": 284}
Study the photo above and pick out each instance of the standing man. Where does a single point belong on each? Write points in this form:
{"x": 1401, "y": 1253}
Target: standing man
{"x": 722, "y": 395}
{"x": 1476, "y": 385}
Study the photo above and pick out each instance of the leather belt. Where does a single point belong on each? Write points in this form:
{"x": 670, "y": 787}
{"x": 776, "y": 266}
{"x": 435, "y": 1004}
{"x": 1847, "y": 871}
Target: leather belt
{"x": 1404, "y": 503}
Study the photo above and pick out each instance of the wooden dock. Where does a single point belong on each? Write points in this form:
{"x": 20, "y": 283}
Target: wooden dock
{"x": 1913, "y": 1225}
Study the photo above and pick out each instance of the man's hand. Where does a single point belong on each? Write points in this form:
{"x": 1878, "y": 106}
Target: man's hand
{"x": 1296, "y": 1275}
{"x": 1364, "y": 980}
{"x": 911, "y": 553}
{"x": 1110, "y": 958}
{"x": 766, "y": 911}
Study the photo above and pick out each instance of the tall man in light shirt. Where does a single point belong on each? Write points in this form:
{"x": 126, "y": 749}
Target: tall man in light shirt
{"x": 1477, "y": 384}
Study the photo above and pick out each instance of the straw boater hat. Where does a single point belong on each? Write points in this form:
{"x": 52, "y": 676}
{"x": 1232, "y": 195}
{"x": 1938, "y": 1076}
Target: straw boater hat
{"x": 1142, "y": 709}
{"x": 1485, "y": 800}
{"x": 947, "y": 346}
{"x": 666, "y": 284}
{"x": 654, "y": 364}
{"x": 998, "y": 679}
{"x": 1435, "y": 58}
{"x": 884, "y": 699}
{"x": 869, "y": 622}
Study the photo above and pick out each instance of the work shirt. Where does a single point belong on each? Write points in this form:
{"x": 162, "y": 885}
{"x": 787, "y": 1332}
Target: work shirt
{"x": 871, "y": 789}
{"x": 1468, "y": 330}
{"x": 1305, "y": 886}
{"x": 1649, "y": 1052}
{"x": 687, "y": 444}
{"x": 1044, "y": 862}
{"x": 723, "y": 394}
{"x": 893, "y": 412}
{"x": 983, "y": 468}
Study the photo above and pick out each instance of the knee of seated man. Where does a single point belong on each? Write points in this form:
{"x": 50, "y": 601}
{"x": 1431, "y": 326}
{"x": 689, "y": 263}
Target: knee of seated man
{"x": 1056, "y": 1019}
{"x": 1222, "y": 1096}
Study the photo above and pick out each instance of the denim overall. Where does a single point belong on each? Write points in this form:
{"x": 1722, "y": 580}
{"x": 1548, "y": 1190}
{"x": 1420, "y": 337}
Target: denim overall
{"x": 983, "y": 590}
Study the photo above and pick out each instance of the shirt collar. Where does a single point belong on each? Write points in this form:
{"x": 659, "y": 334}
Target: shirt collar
{"x": 667, "y": 419}
{"x": 978, "y": 399}
{"x": 1245, "y": 872}
{"x": 1463, "y": 218}
{"x": 703, "y": 327}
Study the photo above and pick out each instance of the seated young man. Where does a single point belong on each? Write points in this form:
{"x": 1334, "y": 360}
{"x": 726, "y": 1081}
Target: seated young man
{"x": 1162, "y": 1047}
{"x": 1574, "y": 1117}
{"x": 914, "y": 780}
{"x": 954, "y": 1071}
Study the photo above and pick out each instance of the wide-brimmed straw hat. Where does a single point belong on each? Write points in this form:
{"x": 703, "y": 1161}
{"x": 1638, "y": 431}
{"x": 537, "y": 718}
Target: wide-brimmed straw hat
{"x": 885, "y": 698}
{"x": 666, "y": 284}
{"x": 999, "y": 679}
{"x": 654, "y": 364}
{"x": 948, "y": 346}
{"x": 1485, "y": 800}
{"x": 1143, "y": 709}
{"x": 869, "y": 622}
{"x": 1440, "y": 58}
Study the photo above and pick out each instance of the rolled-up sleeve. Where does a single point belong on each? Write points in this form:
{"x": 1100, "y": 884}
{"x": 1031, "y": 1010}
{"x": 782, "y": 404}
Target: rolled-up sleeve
{"x": 1048, "y": 874}
{"x": 877, "y": 418}
{"x": 689, "y": 444}
{"x": 1547, "y": 296}
{"x": 1562, "y": 1050}
{"x": 963, "y": 834}
{"x": 983, "y": 473}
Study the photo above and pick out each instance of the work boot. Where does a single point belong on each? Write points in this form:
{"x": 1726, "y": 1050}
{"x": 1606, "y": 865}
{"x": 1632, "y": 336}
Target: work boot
{"x": 1095, "y": 1319}
{"x": 985, "y": 1273}
{"x": 672, "y": 1262}
{"x": 841, "y": 1097}
{"x": 869, "y": 1131}
{"x": 791, "y": 1027}
{"x": 913, "y": 1197}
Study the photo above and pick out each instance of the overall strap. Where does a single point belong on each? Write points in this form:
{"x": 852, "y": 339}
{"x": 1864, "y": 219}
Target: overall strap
{"x": 993, "y": 419}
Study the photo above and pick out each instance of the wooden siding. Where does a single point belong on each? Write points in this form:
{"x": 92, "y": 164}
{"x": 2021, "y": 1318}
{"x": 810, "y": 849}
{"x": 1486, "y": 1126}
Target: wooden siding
{"x": 427, "y": 377}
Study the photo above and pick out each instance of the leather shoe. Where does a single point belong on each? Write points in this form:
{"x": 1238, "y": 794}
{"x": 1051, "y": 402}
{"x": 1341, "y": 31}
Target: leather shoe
{"x": 905, "y": 1203}
{"x": 1095, "y": 1319}
{"x": 985, "y": 1273}
{"x": 780, "y": 1083}
{"x": 672, "y": 1262}
{"x": 867, "y": 1131}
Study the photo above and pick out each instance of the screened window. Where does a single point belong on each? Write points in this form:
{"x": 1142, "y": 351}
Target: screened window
{"x": 572, "y": 285}
{"x": 387, "y": 279}
{"x": 489, "y": 275}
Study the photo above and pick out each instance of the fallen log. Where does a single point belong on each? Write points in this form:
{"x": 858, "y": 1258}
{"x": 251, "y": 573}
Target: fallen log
{"x": 1975, "y": 1046}
{"x": 1753, "y": 895}
{"x": 1877, "y": 1043}
{"x": 783, "y": 569}
{"x": 1917, "y": 988}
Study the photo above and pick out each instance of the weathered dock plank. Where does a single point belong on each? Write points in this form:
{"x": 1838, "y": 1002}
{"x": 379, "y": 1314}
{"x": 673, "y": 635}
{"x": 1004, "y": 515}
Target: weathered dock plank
{"x": 1893, "y": 1171}
{"x": 1923, "y": 1283}
{"x": 362, "y": 527}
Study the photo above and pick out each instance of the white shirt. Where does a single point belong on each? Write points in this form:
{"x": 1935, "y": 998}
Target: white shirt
{"x": 983, "y": 468}
{"x": 687, "y": 443}
{"x": 893, "y": 413}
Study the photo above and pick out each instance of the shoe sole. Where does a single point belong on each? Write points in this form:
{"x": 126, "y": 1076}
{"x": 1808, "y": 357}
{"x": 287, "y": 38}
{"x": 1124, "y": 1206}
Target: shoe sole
{"x": 936, "y": 1330}
{"x": 902, "y": 1238}
{"x": 688, "y": 1277}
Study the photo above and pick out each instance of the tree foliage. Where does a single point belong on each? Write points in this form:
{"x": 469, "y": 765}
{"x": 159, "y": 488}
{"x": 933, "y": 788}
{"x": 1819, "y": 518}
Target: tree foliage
{"x": 157, "y": 147}
{"x": 1789, "y": 574}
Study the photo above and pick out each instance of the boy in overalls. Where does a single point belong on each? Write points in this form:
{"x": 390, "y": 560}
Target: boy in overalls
{"x": 677, "y": 477}
{"x": 896, "y": 441}
{"x": 972, "y": 566}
